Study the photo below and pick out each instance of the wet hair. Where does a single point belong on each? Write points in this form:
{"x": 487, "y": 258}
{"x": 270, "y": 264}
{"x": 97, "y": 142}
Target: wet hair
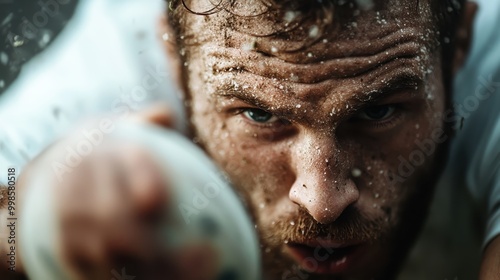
{"x": 446, "y": 17}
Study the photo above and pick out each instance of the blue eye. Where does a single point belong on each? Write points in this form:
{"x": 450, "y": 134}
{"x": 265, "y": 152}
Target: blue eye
{"x": 377, "y": 113}
{"x": 259, "y": 116}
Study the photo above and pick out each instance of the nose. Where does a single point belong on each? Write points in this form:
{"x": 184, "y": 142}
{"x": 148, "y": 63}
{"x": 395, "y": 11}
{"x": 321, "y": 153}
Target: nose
{"x": 323, "y": 185}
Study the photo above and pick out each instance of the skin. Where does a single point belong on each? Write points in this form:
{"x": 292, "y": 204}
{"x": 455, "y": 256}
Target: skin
{"x": 296, "y": 163}
{"x": 318, "y": 172}
{"x": 109, "y": 209}
{"x": 490, "y": 267}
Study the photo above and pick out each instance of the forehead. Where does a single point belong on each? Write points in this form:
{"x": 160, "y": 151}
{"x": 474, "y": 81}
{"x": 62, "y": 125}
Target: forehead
{"x": 345, "y": 48}
{"x": 297, "y": 24}
{"x": 306, "y": 33}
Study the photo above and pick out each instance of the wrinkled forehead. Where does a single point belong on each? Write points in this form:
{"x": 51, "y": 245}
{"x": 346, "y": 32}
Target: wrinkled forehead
{"x": 295, "y": 29}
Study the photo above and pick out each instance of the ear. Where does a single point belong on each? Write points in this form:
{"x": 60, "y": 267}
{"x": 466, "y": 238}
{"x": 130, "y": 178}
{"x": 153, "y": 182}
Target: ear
{"x": 464, "y": 34}
{"x": 168, "y": 38}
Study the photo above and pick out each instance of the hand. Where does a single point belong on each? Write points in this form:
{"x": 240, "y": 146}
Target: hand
{"x": 109, "y": 208}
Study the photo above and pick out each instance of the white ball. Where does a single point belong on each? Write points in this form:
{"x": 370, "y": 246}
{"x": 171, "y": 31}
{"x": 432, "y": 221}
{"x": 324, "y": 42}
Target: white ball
{"x": 204, "y": 207}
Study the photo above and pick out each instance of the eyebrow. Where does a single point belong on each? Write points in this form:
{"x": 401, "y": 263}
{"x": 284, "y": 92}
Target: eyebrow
{"x": 394, "y": 85}
{"x": 397, "y": 84}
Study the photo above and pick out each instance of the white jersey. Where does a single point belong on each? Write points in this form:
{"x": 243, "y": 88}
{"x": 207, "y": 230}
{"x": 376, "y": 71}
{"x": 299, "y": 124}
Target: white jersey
{"x": 108, "y": 60}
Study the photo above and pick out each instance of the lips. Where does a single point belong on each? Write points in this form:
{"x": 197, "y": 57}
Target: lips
{"x": 324, "y": 258}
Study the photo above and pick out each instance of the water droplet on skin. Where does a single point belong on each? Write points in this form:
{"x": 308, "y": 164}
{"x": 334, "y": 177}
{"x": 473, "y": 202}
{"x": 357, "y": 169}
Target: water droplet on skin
{"x": 292, "y": 223}
{"x": 381, "y": 172}
{"x": 298, "y": 106}
{"x": 314, "y": 31}
{"x": 289, "y": 16}
{"x": 375, "y": 205}
{"x": 262, "y": 205}
{"x": 286, "y": 242}
{"x": 356, "y": 172}
{"x": 369, "y": 168}
{"x": 377, "y": 195}
{"x": 274, "y": 49}
{"x": 249, "y": 46}
{"x": 165, "y": 37}
{"x": 309, "y": 55}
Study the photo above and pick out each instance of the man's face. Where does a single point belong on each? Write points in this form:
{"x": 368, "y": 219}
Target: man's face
{"x": 332, "y": 144}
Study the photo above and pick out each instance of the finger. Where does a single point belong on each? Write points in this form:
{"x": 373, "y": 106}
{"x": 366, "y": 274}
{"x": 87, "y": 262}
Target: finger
{"x": 147, "y": 187}
{"x": 159, "y": 114}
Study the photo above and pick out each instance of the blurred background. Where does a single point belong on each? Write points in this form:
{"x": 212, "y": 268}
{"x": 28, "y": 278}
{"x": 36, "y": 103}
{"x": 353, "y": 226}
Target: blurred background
{"x": 25, "y": 30}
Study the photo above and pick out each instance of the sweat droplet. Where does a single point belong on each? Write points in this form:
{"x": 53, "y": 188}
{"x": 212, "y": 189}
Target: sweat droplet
{"x": 355, "y": 172}
{"x": 292, "y": 223}
{"x": 298, "y": 106}
{"x": 289, "y": 16}
{"x": 314, "y": 31}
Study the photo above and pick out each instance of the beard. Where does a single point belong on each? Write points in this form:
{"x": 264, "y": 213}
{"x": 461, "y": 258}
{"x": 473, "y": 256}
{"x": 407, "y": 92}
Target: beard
{"x": 350, "y": 226}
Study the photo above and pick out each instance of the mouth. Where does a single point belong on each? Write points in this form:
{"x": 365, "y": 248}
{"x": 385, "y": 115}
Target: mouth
{"x": 324, "y": 257}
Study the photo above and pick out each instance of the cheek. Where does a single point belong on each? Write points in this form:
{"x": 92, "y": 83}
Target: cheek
{"x": 395, "y": 169}
{"x": 259, "y": 171}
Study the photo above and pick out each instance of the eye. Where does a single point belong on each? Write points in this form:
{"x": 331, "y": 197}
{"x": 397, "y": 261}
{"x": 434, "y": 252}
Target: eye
{"x": 377, "y": 113}
{"x": 259, "y": 116}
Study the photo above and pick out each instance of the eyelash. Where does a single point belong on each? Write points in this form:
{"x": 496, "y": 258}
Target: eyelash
{"x": 395, "y": 117}
{"x": 278, "y": 123}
